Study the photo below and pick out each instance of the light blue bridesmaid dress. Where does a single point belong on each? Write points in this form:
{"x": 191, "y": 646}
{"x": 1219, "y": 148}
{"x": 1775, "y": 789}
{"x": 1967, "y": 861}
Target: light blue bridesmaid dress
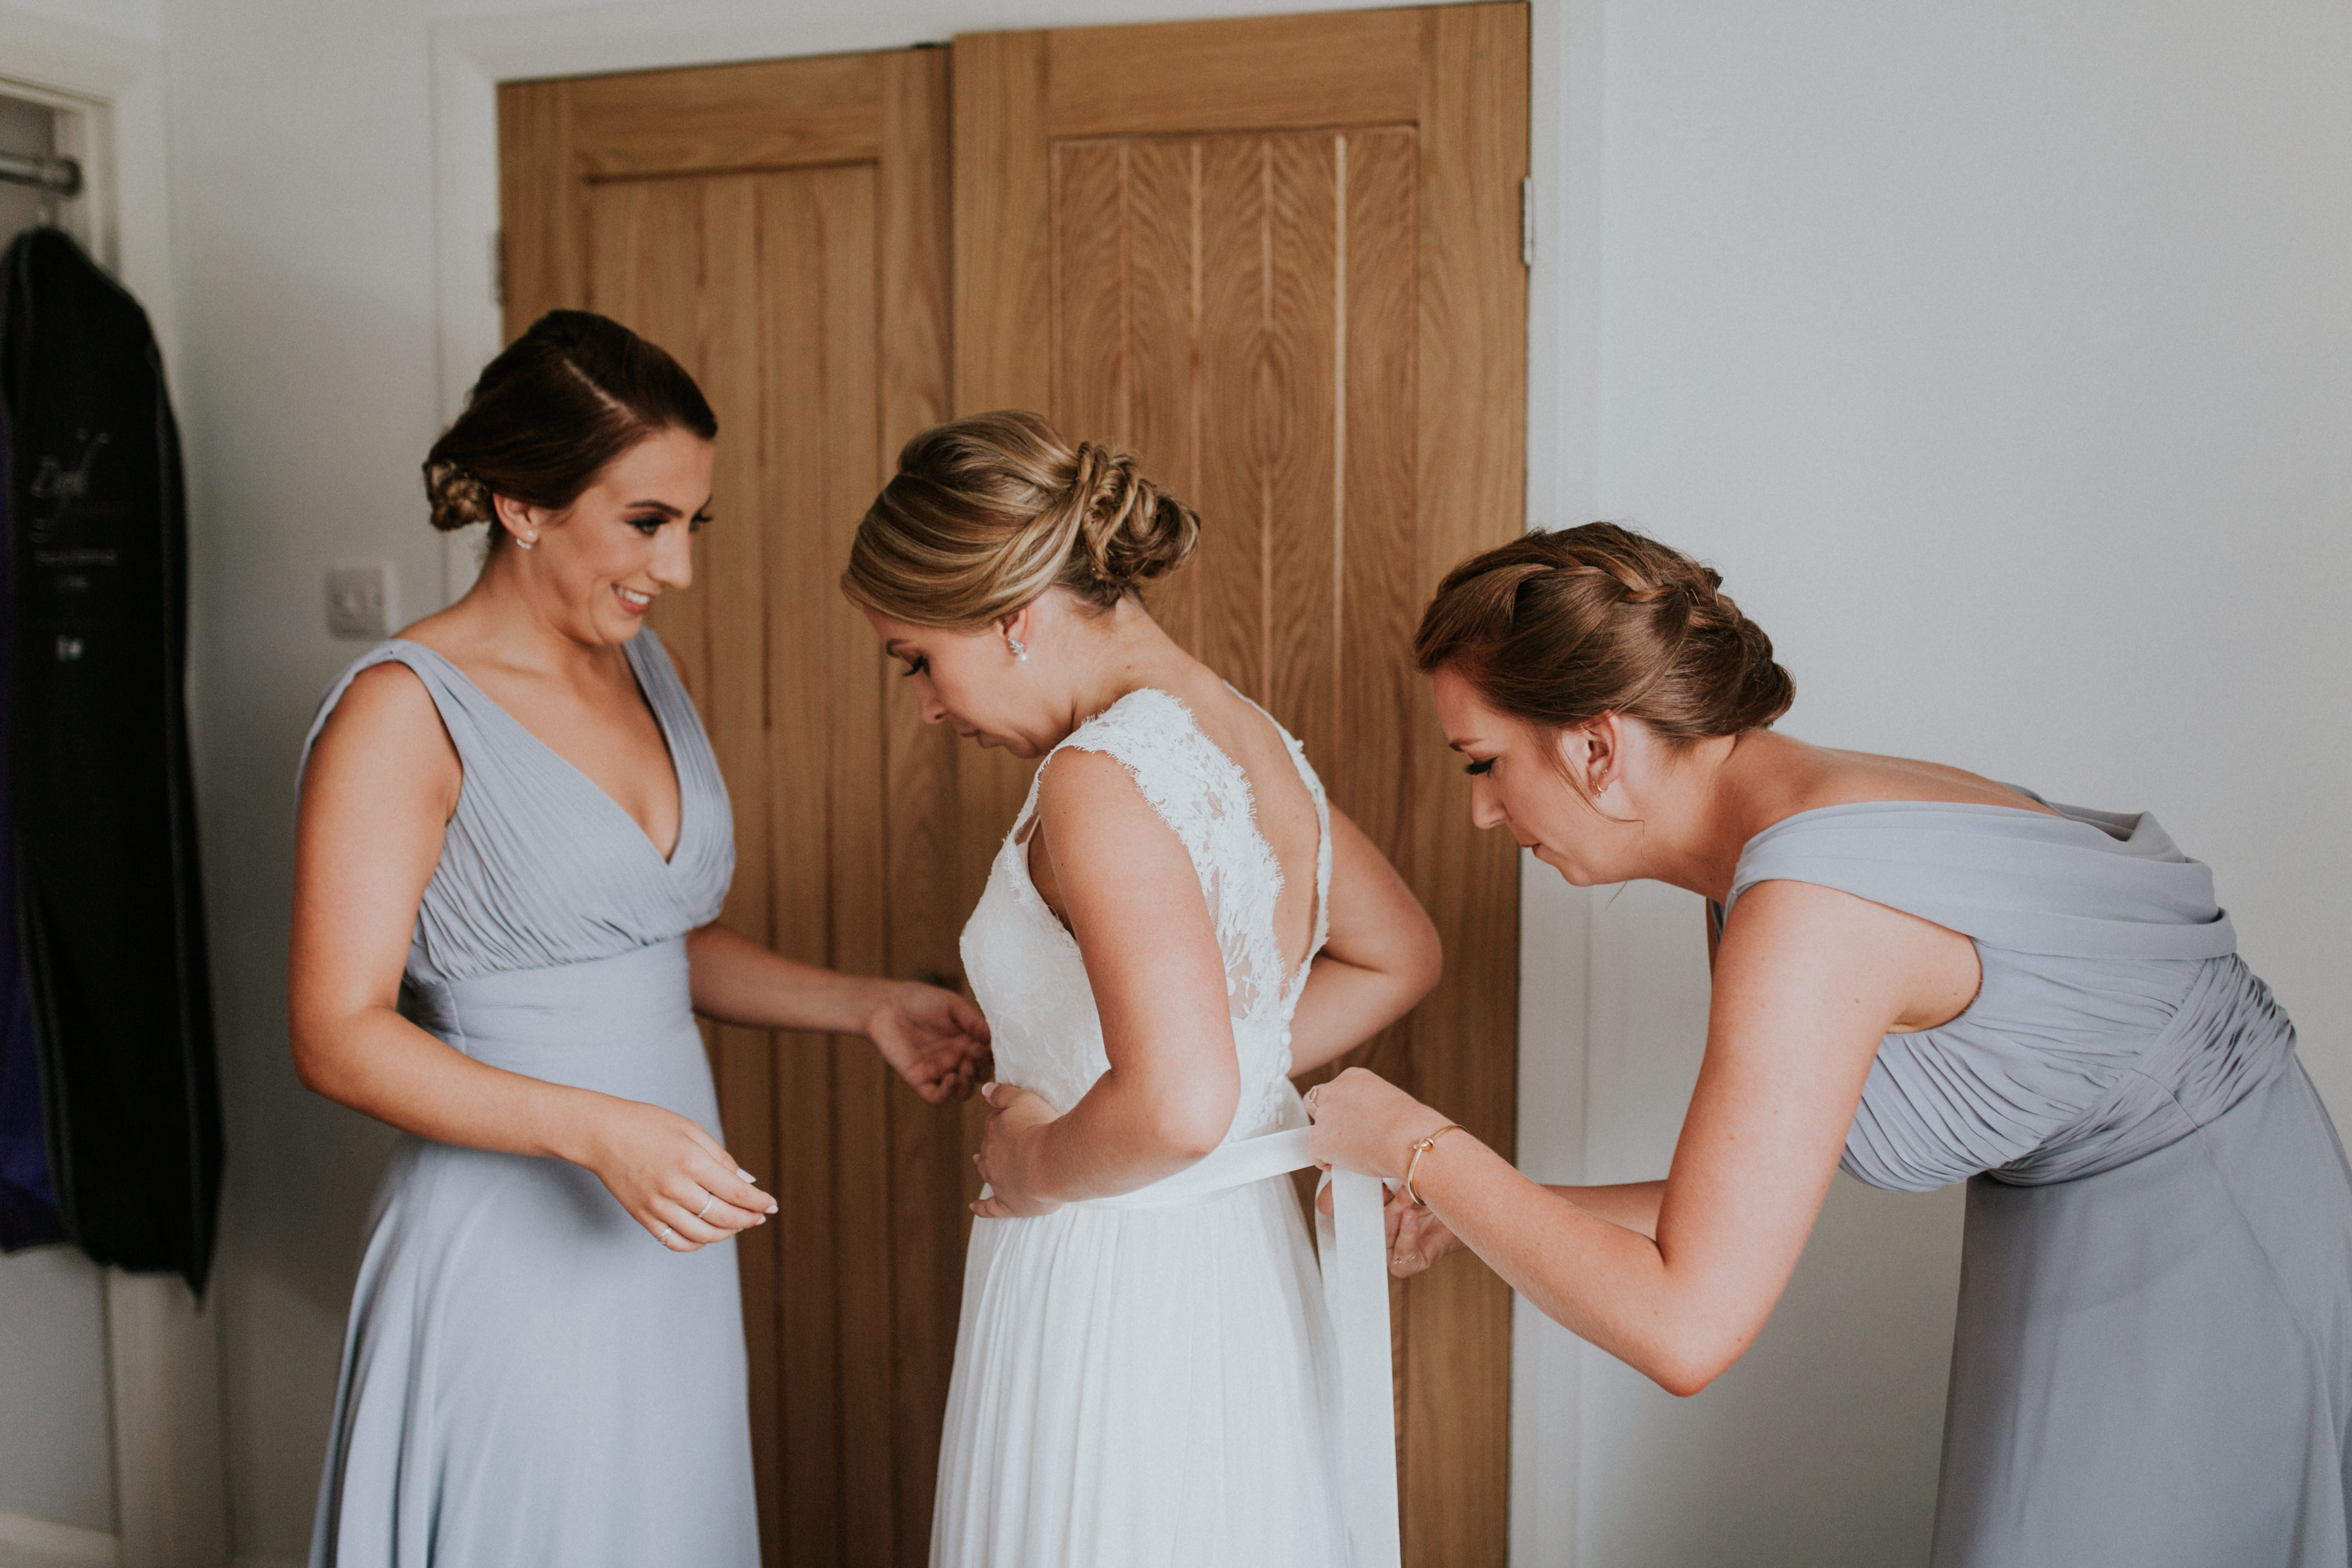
{"x": 2153, "y": 1365}
{"x": 529, "y": 1378}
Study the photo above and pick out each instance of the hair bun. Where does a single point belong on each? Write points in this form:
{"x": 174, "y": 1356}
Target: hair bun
{"x": 989, "y": 511}
{"x": 1130, "y": 529}
{"x": 1558, "y": 628}
{"x": 459, "y": 500}
{"x": 547, "y": 415}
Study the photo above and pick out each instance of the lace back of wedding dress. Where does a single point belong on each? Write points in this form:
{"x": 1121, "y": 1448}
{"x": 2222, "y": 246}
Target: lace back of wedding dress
{"x": 1025, "y": 968}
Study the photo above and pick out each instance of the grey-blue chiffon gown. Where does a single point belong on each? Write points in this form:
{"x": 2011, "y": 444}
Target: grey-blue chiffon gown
{"x": 529, "y": 1378}
{"x": 2153, "y": 1365}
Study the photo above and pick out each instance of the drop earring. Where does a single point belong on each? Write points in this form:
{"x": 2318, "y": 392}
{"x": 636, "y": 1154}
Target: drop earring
{"x": 1020, "y": 653}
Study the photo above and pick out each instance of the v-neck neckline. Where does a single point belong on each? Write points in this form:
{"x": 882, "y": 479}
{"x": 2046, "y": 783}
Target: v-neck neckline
{"x": 661, "y": 726}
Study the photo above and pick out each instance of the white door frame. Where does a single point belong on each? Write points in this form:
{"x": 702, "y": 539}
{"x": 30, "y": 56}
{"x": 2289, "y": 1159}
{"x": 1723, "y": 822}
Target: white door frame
{"x": 163, "y": 1350}
{"x": 472, "y": 56}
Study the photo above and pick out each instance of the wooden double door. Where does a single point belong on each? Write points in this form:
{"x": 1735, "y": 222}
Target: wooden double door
{"x": 1279, "y": 259}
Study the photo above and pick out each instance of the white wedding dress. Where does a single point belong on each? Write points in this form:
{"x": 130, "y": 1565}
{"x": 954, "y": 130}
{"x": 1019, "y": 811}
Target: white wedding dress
{"x": 1146, "y": 1380}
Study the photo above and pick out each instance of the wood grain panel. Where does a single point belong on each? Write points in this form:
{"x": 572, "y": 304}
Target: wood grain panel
{"x": 1379, "y": 604}
{"x": 1346, "y": 340}
{"x": 1301, "y": 434}
{"x": 853, "y": 676}
{"x": 1472, "y": 410}
{"x": 1090, "y": 291}
{"x": 1261, "y": 73}
{"x": 538, "y": 260}
{"x": 797, "y": 739}
{"x": 1004, "y": 224}
{"x": 1003, "y": 353}
{"x": 770, "y": 114}
{"x": 1234, "y": 294}
{"x": 812, "y": 304}
{"x": 931, "y": 1178}
{"x": 1163, "y": 334}
{"x": 733, "y": 561}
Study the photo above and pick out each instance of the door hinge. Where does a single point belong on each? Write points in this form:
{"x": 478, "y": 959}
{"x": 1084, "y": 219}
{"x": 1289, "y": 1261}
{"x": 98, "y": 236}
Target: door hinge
{"x": 1527, "y": 222}
{"x": 499, "y": 267}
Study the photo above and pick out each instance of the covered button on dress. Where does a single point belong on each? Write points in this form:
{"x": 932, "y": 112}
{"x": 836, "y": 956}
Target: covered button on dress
{"x": 2153, "y": 1363}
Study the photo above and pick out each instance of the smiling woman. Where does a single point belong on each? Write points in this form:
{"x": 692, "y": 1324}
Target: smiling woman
{"x": 513, "y": 848}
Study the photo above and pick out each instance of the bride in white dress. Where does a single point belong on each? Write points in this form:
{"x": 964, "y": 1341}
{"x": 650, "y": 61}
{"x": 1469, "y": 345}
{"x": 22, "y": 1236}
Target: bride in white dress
{"x": 1177, "y": 923}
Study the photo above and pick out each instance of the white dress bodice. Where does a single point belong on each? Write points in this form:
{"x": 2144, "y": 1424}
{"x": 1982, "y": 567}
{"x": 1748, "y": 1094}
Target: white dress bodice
{"x": 1024, "y": 966}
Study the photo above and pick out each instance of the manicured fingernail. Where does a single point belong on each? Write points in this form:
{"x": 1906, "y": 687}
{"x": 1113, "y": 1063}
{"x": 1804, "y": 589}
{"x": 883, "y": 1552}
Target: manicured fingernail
{"x": 771, "y": 1208}
{"x": 747, "y": 1175}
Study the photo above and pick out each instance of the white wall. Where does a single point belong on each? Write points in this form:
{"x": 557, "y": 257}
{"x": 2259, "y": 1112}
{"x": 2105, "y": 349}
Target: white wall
{"x": 1996, "y": 352}
{"x": 1998, "y": 356}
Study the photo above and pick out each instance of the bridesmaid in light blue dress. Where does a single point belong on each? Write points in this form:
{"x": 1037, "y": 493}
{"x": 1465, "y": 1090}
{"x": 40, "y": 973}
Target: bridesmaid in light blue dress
{"x": 1923, "y": 978}
{"x": 514, "y": 845}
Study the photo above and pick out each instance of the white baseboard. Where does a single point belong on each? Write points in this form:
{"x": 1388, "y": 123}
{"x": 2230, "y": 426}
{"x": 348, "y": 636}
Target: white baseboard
{"x": 26, "y": 1542}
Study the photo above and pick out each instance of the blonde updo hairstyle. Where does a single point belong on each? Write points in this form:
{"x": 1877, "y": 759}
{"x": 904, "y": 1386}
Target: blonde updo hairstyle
{"x": 988, "y": 513}
{"x": 1558, "y": 628}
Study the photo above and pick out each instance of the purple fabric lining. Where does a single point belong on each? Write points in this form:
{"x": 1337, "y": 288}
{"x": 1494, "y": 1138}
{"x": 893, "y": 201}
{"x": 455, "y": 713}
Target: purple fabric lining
{"x": 28, "y": 1205}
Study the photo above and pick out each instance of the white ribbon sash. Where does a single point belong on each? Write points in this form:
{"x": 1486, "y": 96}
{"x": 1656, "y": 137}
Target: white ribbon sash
{"x": 1354, "y": 1248}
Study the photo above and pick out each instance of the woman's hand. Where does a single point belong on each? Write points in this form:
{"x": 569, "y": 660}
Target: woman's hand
{"x": 1417, "y": 1237}
{"x": 1365, "y": 1123}
{"x": 936, "y": 1039}
{"x": 1015, "y": 1117}
{"x": 671, "y": 1175}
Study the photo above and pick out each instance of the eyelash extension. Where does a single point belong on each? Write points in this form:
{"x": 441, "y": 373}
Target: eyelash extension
{"x": 921, "y": 663}
{"x": 650, "y": 526}
{"x": 1485, "y": 767}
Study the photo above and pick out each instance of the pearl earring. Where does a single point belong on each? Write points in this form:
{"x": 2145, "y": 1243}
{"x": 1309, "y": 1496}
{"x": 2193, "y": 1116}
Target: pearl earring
{"x": 525, "y": 540}
{"x": 1020, "y": 653}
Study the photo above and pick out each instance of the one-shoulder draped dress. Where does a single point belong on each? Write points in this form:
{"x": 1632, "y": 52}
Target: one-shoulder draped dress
{"x": 529, "y": 1378}
{"x": 2153, "y": 1364}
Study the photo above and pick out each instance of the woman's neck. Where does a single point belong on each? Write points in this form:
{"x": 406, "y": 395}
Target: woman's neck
{"x": 1123, "y": 650}
{"x": 1731, "y": 788}
{"x": 504, "y": 620}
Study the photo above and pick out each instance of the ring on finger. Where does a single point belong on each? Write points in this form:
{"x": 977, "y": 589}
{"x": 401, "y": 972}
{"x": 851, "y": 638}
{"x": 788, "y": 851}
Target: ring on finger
{"x": 664, "y": 1235}
{"x": 1310, "y": 1097}
{"x": 707, "y": 1208}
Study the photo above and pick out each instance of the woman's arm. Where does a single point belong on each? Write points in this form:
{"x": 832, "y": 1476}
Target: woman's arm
{"x": 1142, "y": 925}
{"x": 377, "y": 795}
{"x": 1380, "y": 957}
{"x": 935, "y": 1039}
{"x": 1806, "y": 985}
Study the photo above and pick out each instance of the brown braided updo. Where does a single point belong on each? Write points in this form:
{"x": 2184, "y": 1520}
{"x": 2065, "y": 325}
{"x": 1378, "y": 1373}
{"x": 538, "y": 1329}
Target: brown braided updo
{"x": 550, "y": 411}
{"x": 988, "y": 513}
{"x": 1558, "y": 628}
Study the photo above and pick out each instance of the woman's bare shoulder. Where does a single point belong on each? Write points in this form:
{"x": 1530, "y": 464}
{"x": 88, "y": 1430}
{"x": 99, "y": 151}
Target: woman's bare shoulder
{"x": 1854, "y": 778}
{"x": 386, "y": 725}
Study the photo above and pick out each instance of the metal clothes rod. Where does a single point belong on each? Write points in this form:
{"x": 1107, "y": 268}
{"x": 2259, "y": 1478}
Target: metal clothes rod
{"x": 62, "y": 175}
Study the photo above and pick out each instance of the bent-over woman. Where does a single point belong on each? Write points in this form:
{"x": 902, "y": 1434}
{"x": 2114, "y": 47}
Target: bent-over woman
{"x": 1925, "y": 977}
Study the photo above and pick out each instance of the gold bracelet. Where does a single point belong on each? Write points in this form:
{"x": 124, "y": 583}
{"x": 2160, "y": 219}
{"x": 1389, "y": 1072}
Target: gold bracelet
{"x": 1423, "y": 1146}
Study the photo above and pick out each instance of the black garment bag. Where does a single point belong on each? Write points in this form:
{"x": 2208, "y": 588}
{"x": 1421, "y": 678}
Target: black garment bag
{"x": 111, "y": 904}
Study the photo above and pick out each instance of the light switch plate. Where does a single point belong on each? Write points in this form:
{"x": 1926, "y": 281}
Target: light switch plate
{"x": 358, "y": 601}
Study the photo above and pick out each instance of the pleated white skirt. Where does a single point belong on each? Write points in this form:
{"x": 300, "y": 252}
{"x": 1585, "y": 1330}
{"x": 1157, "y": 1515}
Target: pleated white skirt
{"x": 1143, "y": 1387}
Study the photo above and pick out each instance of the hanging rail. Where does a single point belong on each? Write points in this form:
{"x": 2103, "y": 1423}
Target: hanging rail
{"x": 60, "y": 175}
